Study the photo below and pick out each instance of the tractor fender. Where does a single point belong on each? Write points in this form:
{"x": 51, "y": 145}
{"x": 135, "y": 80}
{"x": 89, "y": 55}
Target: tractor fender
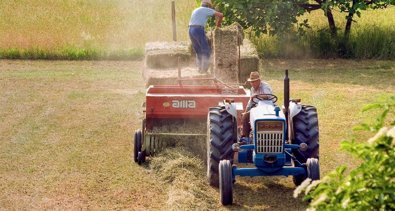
{"x": 231, "y": 109}
{"x": 294, "y": 109}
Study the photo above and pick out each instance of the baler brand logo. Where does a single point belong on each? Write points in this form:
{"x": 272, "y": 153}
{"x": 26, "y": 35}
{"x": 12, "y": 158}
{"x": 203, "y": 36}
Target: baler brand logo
{"x": 166, "y": 104}
{"x": 183, "y": 104}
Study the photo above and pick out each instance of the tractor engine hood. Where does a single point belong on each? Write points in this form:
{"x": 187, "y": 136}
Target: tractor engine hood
{"x": 265, "y": 110}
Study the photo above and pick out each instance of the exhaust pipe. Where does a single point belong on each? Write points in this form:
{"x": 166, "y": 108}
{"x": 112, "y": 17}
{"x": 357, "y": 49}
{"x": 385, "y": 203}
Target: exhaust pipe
{"x": 286, "y": 98}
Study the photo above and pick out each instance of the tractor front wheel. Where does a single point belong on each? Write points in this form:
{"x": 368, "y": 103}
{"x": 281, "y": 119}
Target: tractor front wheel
{"x": 313, "y": 168}
{"x": 221, "y": 134}
{"x": 225, "y": 182}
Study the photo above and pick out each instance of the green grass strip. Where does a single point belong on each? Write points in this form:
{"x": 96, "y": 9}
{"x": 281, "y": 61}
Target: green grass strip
{"x": 71, "y": 53}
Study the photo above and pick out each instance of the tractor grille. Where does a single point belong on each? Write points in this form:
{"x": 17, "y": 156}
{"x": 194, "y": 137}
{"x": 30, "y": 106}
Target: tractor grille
{"x": 269, "y": 142}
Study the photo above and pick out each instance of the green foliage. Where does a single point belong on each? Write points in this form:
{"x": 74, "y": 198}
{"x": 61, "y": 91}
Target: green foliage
{"x": 370, "y": 186}
{"x": 365, "y": 43}
{"x": 262, "y": 16}
{"x": 71, "y": 53}
{"x": 373, "y": 42}
{"x": 386, "y": 108}
{"x": 280, "y": 18}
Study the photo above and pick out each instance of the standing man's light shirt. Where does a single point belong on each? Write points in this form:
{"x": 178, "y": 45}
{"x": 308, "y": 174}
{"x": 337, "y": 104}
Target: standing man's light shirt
{"x": 200, "y": 15}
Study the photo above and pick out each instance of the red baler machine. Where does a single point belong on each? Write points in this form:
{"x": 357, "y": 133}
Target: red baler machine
{"x": 166, "y": 104}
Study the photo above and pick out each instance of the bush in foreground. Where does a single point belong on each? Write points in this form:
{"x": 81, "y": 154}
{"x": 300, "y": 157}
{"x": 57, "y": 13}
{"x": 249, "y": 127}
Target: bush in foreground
{"x": 370, "y": 186}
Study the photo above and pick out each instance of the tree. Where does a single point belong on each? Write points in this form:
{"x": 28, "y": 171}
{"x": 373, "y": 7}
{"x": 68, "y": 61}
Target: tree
{"x": 354, "y": 7}
{"x": 278, "y": 16}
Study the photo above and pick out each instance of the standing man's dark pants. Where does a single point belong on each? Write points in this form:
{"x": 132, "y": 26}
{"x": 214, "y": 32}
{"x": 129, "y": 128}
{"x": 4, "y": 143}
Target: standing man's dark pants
{"x": 201, "y": 47}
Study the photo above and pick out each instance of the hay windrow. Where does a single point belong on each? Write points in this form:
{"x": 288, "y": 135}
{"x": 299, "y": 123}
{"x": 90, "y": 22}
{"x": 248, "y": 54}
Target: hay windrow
{"x": 186, "y": 175}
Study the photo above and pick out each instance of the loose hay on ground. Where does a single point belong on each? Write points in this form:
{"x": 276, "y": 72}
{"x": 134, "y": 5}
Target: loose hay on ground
{"x": 195, "y": 144}
{"x": 185, "y": 172}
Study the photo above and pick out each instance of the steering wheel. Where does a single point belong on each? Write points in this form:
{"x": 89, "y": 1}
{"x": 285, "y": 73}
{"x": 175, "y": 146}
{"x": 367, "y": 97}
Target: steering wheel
{"x": 256, "y": 98}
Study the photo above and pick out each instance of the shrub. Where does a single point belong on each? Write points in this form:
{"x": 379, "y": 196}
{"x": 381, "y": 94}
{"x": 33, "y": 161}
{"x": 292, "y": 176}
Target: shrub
{"x": 370, "y": 186}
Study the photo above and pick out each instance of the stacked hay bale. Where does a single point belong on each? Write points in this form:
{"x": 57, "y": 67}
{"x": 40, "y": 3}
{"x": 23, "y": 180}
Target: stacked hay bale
{"x": 249, "y": 60}
{"x": 162, "y": 60}
{"x": 226, "y": 53}
{"x": 234, "y": 56}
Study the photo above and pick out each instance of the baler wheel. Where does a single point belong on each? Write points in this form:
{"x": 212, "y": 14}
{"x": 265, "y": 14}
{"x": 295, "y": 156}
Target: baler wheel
{"x": 137, "y": 145}
{"x": 313, "y": 168}
{"x": 221, "y": 134}
{"x": 306, "y": 130}
{"x": 225, "y": 182}
{"x": 141, "y": 157}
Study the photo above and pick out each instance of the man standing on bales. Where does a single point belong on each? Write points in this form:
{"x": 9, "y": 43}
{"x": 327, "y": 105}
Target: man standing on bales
{"x": 197, "y": 33}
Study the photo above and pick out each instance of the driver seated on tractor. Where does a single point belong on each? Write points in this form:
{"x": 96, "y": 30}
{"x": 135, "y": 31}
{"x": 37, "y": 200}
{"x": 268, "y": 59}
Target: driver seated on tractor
{"x": 258, "y": 87}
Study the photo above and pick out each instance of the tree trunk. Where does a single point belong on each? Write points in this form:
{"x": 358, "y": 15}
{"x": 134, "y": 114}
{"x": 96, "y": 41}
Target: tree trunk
{"x": 348, "y": 26}
{"x": 329, "y": 16}
{"x": 331, "y": 22}
{"x": 350, "y": 16}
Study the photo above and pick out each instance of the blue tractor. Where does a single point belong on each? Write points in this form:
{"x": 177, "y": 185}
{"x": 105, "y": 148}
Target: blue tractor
{"x": 283, "y": 142}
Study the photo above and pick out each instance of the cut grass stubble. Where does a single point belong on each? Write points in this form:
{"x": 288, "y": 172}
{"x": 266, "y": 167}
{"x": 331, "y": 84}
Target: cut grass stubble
{"x": 66, "y": 130}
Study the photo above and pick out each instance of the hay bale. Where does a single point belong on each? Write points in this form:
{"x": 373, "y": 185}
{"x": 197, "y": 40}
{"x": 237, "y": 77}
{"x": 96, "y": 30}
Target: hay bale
{"x": 169, "y": 76}
{"x": 249, "y": 60}
{"x": 166, "y": 54}
{"x": 226, "y": 52}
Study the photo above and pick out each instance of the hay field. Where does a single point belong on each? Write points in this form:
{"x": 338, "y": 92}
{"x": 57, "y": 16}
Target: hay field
{"x": 94, "y": 29}
{"x": 66, "y": 130}
{"x": 108, "y": 25}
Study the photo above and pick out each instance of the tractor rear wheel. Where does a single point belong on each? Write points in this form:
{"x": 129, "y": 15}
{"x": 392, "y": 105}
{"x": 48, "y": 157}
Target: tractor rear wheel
{"x": 221, "y": 134}
{"x": 137, "y": 145}
{"x": 225, "y": 182}
{"x": 305, "y": 125}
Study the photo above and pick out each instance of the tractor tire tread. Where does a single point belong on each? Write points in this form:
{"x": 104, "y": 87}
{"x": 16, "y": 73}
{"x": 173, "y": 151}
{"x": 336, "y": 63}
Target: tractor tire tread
{"x": 306, "y": 130}
{"x": 221, "y": 136}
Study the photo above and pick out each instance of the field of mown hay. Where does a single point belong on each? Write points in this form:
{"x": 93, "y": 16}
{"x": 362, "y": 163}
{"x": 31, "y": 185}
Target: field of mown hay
{"x": 66, "y": 130}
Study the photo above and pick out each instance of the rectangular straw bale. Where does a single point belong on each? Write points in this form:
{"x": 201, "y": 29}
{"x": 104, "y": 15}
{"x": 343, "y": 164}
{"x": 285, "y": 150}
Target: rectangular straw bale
{"x": 225, "y": 47}
{"x": 169, "y": 76}
{"x": 249, "y": 60}
{"x": 166, "y": 54}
